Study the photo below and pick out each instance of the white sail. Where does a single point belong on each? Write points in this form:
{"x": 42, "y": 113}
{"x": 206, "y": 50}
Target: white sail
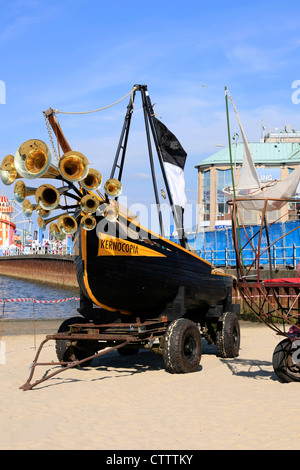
{"x": 249, "y": 178}
{"x": 252, "y": 193}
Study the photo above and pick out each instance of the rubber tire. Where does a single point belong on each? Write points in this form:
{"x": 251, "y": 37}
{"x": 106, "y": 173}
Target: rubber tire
{"x": 182, "y": 347}
{"x": 67, "y": 353}
{"x": 228, "y": 336}
{"x": 282, "y": 362}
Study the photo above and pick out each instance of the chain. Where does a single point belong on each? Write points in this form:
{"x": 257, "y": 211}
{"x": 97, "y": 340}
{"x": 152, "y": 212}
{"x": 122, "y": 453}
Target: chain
{"x": 51, "y": 138}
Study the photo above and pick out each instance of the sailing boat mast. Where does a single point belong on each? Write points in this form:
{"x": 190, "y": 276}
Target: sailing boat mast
{"x": 176, "y": 210}
{"x": 235, "y": 219}
{"x": 123, "y": 139}
{"x": 121, "y": 151}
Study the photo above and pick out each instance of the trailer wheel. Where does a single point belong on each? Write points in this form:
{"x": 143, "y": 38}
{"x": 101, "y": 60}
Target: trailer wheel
{"x": 228, "y": 336}
{"x": 283, "y": 364}
{"x": 68, "y": 353}
{"x": 182, "y": 347}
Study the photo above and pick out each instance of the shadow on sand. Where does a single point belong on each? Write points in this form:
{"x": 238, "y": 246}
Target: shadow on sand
{"x": 147, "y": 360}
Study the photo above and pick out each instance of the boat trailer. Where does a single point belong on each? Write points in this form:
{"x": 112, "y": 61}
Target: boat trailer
{"x": 88, "y": 336}
{"x": 179, "y": 341}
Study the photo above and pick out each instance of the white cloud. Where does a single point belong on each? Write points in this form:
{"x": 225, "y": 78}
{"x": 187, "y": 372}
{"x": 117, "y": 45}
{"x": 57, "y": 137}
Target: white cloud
{"x": 19, "y": 18}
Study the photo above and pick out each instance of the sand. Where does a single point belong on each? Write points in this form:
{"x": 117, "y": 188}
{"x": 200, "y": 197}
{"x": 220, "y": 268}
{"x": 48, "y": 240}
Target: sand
{"x": 121, "y": 403}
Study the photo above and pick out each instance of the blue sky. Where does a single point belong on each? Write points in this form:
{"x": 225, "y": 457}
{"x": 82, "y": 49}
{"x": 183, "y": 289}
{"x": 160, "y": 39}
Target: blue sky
{"x": 82, "y": 55}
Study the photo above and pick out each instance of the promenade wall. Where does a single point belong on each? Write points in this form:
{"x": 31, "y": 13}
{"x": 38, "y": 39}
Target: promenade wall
{"x": 47, "y": 268}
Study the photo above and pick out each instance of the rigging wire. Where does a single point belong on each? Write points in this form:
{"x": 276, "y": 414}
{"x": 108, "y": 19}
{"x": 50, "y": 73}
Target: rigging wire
{"x": 96, "y": 110}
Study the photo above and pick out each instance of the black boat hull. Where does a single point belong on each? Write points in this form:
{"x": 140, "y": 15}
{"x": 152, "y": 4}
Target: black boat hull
{"x": 142, "y": 276}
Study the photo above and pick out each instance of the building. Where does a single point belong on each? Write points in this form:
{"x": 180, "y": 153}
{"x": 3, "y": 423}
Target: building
{"x": 7, "y": 227}
{"x": 275, "y": 156}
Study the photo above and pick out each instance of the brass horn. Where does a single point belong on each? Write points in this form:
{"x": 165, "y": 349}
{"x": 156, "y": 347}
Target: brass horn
{"x": 73, "y": 166}
{"x": 42, "y": 212}
{"x": 111, "y": 213}
{"x": 88, "y": 222}
{"x": 113, "y": 187}
{"x": 33, "y": 160}
{"x": 28, "y": 209}
{"x": 48, "y": 197}
{"x": 92, "y": 181}
{"x": 8, "y": 172}
{"x": 42, "y": 223}
{"x": 53, "y": 228}
{"x": 21, "y": 191}
{"x": 89, "y": 203}
{"x": 67, "y": 224}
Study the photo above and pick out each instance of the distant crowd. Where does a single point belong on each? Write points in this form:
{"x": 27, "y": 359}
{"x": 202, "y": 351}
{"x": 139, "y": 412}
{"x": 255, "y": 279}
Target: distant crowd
{"x": 45, "y": 248}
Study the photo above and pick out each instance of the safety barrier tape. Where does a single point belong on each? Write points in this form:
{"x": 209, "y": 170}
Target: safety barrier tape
{"x": 38, "y": 301}
{"x": 29, "y": 299}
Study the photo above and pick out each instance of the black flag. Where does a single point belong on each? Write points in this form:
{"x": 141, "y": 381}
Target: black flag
{"x": 174, "y": 157}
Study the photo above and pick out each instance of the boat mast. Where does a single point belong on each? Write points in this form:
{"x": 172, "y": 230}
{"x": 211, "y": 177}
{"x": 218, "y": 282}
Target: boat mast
{"x": 120, "y": 157}
{"x": 143, "y": 89}
{"x": 122, "y": 147}
{"x": 176, "y": 210}
{"x": 123, "y": 139}
{"x": 235, "y": 219}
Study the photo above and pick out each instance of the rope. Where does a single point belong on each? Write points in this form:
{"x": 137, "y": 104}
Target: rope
{"x": 96, "y": 110}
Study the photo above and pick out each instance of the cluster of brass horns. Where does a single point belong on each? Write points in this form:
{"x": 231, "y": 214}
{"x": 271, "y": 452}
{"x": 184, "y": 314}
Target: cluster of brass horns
{"x": 33, "y": 160}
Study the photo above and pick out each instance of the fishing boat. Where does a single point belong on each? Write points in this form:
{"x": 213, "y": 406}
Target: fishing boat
{"x": 127, "y": 274}
{"x": 121, "y": 266}
{"x": 146, "y": 270}
{"x": 142, "y": 276}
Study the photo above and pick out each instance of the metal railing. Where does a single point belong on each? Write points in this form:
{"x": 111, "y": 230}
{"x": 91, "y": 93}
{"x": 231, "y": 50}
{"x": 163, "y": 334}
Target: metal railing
{"x": 39, "y": 250}
{"x": 284, "y": 256}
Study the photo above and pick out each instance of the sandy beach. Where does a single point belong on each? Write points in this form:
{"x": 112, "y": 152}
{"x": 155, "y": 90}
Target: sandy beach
{"x": 121, "y": 403}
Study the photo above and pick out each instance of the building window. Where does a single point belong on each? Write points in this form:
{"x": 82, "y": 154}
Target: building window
{"x": 206, "y": 195}
{"x": 223, "y": 181}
